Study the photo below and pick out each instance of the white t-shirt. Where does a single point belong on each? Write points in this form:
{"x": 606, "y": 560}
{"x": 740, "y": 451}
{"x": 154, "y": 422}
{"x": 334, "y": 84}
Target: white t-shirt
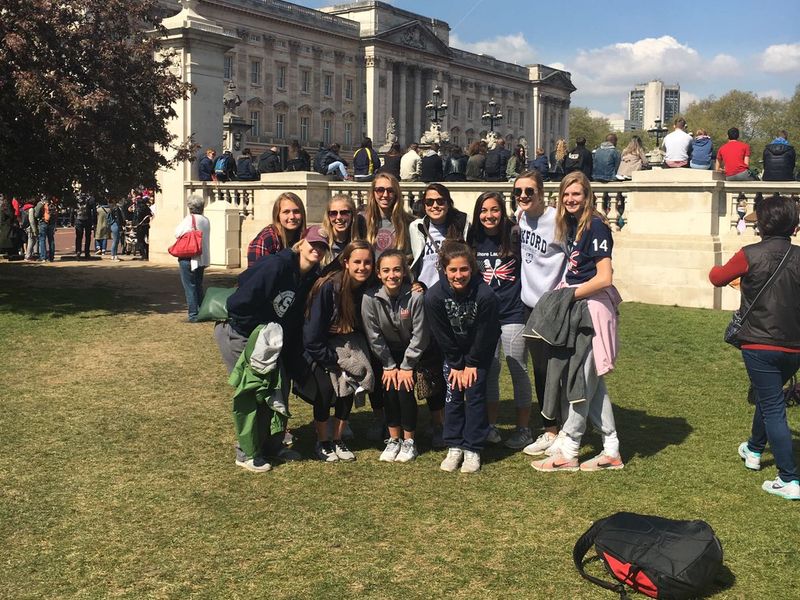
{"x": 676, "y": 146}
{"x": 543, "y": 259}
{"x": 429, "y": 272}
{"x": 202, "y": 223}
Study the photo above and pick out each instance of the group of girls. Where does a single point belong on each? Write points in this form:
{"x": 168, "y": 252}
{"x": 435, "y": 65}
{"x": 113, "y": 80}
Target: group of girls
{"x": 428, "y": 303}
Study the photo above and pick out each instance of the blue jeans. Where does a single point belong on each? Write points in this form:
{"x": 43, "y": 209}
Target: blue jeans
{"x": 768, "y": 371}
{"x": 192, "y": 286}
{"x": 47, "y": 245}
{"x": 466, "y": 420}
{"x": 114, "y": 239}
{"x": 338, "y": 166}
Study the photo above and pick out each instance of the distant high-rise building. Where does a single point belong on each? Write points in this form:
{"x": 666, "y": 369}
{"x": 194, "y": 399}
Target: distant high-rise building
{"x": 653, "y": 100}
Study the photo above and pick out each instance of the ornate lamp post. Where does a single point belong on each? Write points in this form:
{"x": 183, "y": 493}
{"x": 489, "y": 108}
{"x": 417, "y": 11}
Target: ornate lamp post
{"x": 492, "y": 115}
{"x": 658, "y": 131}
{"x": 436, "y": 109}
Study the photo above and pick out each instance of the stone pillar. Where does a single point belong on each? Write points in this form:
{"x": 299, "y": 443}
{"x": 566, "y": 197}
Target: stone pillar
{"x": 416, "y": 105}
{"x": 225, "y": 223}
{"x": 388, "y": 105}
{"x": 372, "y": 107}
{"x": 200, "y": 47}
{"x": 537, "y": 127}
{"x": 402, "y": 117}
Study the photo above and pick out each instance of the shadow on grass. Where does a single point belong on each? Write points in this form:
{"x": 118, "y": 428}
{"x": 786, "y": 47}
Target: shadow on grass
{"x": 724, "y": 581}
{"x": 647, "y": 435}
{"x": 45, "y": 291}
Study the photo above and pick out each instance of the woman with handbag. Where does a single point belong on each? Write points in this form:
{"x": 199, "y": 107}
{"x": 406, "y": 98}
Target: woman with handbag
{"x": 191, "y": 268}
{"x": 769, "y": 336}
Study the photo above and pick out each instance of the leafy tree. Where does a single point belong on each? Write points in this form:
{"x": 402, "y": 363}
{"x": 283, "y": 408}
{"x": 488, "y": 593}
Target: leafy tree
{"x": 84, "y": 96}
{"x": 583, "y": 124}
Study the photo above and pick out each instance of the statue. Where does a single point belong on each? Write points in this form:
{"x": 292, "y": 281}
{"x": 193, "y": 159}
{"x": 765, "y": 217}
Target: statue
{"x": 230, "y": 99}
{"x": 391, "y": 131}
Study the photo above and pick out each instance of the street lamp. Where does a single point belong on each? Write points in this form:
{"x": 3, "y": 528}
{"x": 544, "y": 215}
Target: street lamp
{"x": 435, "y": 108}
{"x": 658, "y": 131}
{"x": 491, "y": 116}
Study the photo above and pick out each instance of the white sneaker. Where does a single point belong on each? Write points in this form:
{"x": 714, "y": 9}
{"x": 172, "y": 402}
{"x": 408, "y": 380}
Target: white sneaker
{"x": 255, "y": 464}
{"x": 408, "y": 452}
{"x": 494, "y": 435}
{"x": 472, "y": 462}
{"x": 452, "y": 460}
{"x": 778, "y": 487}
{"x": 325, "y": 452}
{"x": 752, "y": 460}
{"x": 542, "y": 443}
{"x": 555, "y": 447}
{"x": 343, "y": 452}
{"x": 389, "y": 453}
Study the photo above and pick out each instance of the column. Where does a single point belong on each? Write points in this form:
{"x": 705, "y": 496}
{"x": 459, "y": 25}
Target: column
{"x": 402, "y": 114}
{"x": 416, "y": 105}
{"x": 371, "y": 74}
{"x": 389, "y": 102}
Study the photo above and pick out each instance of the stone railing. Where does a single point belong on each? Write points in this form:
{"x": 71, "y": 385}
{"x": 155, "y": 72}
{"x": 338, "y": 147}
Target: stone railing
{"x": 671, "y": 225}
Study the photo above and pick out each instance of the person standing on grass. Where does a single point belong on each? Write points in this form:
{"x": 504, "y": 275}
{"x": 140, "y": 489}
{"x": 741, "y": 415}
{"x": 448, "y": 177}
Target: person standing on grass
{"x": 191, "y": 269}
{"x": 288, "y": 223}
{"x": 587, "y": 236}
{"x": 334, "y": 311}
{"x": 462, "y": 312}
{"x": 274, "y": 290}
{"x": 116, "y": 220}
{"x": 394, "y": 320}
{"x": 543, "y": 261}
{"x": 102, "y": 232}
{"x": 496, "y": 245}
{"x": 770, "y": 335}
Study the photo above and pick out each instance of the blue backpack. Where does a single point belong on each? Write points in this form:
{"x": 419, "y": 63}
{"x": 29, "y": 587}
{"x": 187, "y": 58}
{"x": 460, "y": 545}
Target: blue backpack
{"x": 221, "y": 166}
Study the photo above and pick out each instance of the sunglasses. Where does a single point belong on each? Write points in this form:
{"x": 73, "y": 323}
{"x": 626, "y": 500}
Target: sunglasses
{"x": 332, "y": 214}
{"x": 436, "y": 201}
{"x": 529, "y": 192}
{"x": 380, "y": 190}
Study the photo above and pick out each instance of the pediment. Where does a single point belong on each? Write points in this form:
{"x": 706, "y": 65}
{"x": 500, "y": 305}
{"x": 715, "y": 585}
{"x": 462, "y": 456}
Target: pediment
{"x": 415, "y": 35}
{"x": 281, "y": 106}
{"x": 305, "y": 109}
{"x": 559, "y": 80}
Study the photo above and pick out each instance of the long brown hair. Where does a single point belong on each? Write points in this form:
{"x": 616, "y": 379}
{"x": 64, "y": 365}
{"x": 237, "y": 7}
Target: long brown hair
{"x": 400, "y": 218}
{"x": 588, "y": 210}
{"x": 276, "y": 221}
{"x": 477, "y": 232}
{"x": 346, "y": 317}
{"x": 452, "y": 229}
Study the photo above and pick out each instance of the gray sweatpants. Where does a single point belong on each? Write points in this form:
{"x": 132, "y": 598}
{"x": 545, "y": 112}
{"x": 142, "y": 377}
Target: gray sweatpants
{"x": 514, "y": 349}
{"x": 230, "y": 343}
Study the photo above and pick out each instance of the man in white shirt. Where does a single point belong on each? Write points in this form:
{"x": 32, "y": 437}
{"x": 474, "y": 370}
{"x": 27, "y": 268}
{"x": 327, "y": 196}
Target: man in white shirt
{"x": 677, "y": 145}
{"x": 410, "y": 164}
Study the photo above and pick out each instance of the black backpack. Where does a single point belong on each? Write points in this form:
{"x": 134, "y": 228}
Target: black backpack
{"x": 661, "y": 558}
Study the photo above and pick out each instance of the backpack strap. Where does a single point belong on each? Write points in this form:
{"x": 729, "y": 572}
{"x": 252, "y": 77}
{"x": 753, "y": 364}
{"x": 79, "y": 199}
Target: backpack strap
{"x": 582, "y": 546}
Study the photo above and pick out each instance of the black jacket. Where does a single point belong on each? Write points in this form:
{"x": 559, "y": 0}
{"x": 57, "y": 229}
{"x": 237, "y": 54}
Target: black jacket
{"x": 579, "y": 159}
{"x": 269, "y": 162}
{"x": 391, "y": 164}
{"x": 205, "y": 169}
{"x": 455, "y": 168}
{"x": 775, "y": 318}
{"x": 466, "y": 327}
{"x": 779, "y": 162}
{"x": 245, "y": 169}
{"x": 431, "y": 168}
{"x": 496, "y": 163}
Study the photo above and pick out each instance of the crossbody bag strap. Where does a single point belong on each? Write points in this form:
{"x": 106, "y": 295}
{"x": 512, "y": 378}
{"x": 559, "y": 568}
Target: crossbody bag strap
{"x": 582, "y": 546}
{"x": 769, "y": 281}
{"x": 194, "y": 226}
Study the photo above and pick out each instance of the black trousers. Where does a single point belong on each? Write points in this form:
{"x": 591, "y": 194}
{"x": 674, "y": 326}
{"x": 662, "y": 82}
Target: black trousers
{"x": 83, "y": 229}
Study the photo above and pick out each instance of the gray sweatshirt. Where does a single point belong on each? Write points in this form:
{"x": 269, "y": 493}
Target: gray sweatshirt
{"x": 395, "y": 327}
{"x": 543, "y": 259}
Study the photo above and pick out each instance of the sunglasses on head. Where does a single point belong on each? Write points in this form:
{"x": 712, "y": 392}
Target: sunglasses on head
{"x": 380, "y": 190}
{"x": 528, "y": 191}
{"x": 339, "y": 213}
{"x": 436, "y": 201}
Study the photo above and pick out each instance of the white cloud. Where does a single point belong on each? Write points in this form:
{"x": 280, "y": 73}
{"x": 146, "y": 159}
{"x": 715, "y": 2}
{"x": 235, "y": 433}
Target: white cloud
{"x": 781, "y": 58}
{"x": 512, "y": 48}
{"x": 774, "y": 94}
{"x": 723, "y": 64}
{"x": 601, "y": 115}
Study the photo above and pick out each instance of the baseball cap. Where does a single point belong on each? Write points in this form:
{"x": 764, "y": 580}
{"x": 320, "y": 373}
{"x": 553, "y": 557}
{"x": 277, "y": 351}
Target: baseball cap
{"x": 315, "y": 233}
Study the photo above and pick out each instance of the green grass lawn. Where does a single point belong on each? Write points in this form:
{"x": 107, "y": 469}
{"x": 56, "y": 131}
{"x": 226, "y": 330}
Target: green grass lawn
{"x": 117, "y": 475}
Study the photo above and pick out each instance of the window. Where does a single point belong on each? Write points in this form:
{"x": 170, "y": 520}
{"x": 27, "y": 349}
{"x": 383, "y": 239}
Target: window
{"x": 255, "y": 121}
{"x": 305, "y": 81}
{"x": 327, "y": 85}
{"x": 509, "y": 116}
{"x": 456, "y": 102}
{"x": 280, "y": 77}
{"x": 470, "y": 109}
{"x": 327, "y": 127}
{"x": 348, "y": 134}
{"x": 304, "y": 129}
{"x": 521, "y": 119}
{"x": 227, "y": 69}
{"x": 455, "y": 139}
{"x": 255, "y": 72}
{"x": 348, "y": 89}
{"x": 280, "y": 122}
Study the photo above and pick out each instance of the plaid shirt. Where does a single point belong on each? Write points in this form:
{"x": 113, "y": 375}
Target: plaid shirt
{"x": 266, "y": 242}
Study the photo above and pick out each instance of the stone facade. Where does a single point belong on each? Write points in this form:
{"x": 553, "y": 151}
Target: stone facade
{"x": 340, "y": 73}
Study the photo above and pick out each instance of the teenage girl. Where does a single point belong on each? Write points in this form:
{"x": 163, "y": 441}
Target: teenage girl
{"x": 462, "y": 312}
{"x": 589, "y": 244}
{"x": 386, "y": 220}
{"x": 394, "y": 320}
{"x": 334, "y": 308}
{"x": 342, "y": 224}
{"x": 496, "y": 245}
{"x": 288, "y": 222}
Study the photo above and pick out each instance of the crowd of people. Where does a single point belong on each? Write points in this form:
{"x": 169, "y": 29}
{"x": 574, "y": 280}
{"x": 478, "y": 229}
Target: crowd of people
{"x": 395, "y": 308}
{"x": 102, "y": 224}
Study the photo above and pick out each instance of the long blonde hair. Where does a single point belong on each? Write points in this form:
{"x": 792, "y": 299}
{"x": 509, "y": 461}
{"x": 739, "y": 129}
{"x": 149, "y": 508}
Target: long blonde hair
{"x": 588, "y": 209}
{"x": 400, "y": 218}
{"x": 276, "y": 221}
{"x": 561, "y": 149}
{"x": 355, "y": 234}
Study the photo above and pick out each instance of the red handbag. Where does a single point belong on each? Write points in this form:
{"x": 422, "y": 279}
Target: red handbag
{"x": 190, "y": 244}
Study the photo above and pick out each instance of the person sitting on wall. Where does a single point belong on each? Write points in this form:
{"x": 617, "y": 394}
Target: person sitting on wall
{"x": 270, "y": 161}
{"x": 733, "y": 158}
{"x": 245, "y": 169}
{"x": 779, "y": 159}
{"x": 205, "y": 168}
{"x": 677, "y": 145}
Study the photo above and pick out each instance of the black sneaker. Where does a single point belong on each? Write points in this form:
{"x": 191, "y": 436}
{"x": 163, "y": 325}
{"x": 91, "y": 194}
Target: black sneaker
{"x": 343, "y": 452}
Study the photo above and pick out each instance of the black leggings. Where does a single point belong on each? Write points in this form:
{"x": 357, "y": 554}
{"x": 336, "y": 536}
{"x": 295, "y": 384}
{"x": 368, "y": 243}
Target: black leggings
{"x": 342, "y": 407}
{"x": 539, "y": 351}
{"x": 400, "y": 408}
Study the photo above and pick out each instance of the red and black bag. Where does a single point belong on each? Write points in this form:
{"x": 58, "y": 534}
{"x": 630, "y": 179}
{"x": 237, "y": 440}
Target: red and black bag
{"x": 661, "y": 558}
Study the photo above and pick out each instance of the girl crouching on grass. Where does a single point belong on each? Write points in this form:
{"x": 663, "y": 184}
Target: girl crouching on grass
{"x": 462, "y": 312}
{"x": 394, "y": 320}
{"x": 589, "y": 244}
{"x": 333, "y": 320}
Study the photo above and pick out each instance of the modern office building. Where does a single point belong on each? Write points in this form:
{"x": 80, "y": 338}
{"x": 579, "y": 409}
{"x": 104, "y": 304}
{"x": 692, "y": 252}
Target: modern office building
{"x": 368, "y": 68}
{"x": 653, "y": 100}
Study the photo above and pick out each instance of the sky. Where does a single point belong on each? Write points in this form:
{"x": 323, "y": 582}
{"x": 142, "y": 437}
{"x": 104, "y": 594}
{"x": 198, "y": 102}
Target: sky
{"x": 708, "y": 48}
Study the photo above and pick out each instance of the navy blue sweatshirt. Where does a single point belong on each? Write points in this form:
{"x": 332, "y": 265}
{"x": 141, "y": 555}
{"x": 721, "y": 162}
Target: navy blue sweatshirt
{"x": 465, "y": 326}
{"x": 321, "y": 315}
{"x": 273, "y": 290}
{"x": 502, "y": 274}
